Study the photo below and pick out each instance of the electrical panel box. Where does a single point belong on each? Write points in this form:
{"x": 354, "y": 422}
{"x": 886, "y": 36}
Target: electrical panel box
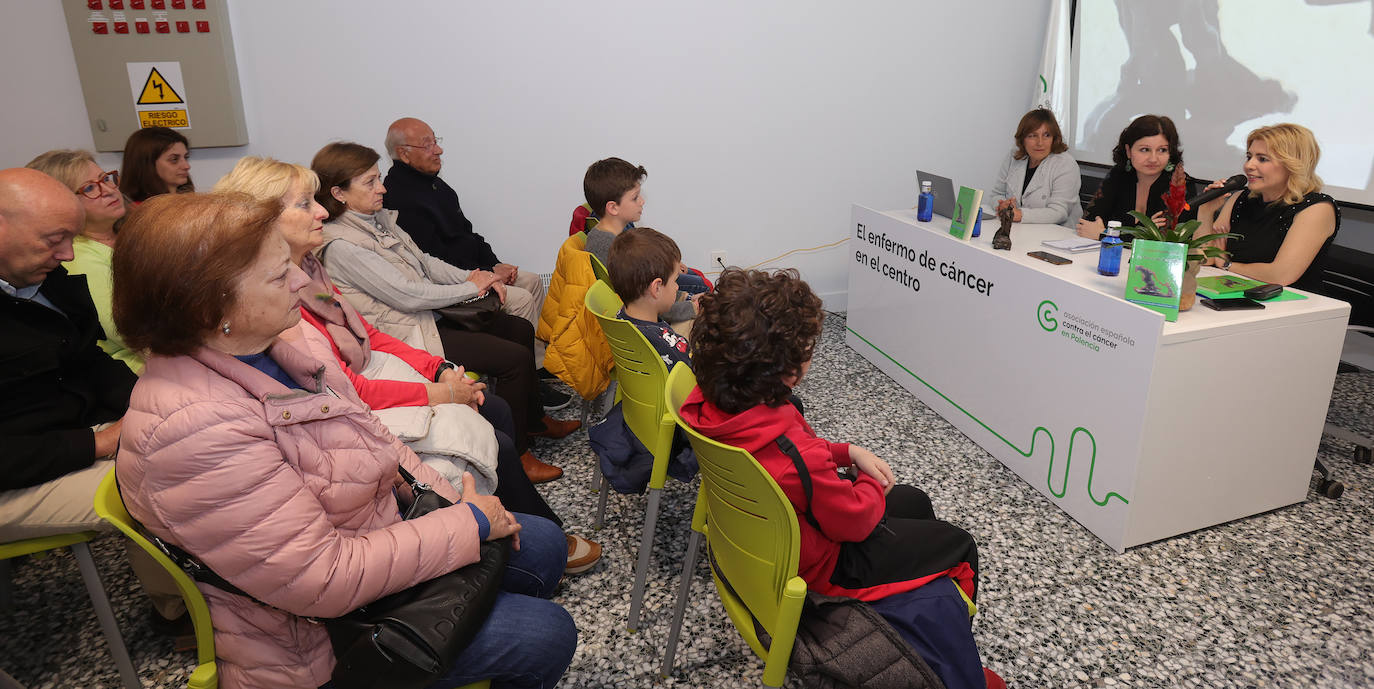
{"x": 157, "y": 63}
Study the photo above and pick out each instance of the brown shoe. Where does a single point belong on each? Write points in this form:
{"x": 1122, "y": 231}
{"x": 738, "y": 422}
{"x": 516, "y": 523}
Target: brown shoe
{"x": 539, "y": 472}
{"x": 582, "y": 554}
{"x": 553, "y": 428}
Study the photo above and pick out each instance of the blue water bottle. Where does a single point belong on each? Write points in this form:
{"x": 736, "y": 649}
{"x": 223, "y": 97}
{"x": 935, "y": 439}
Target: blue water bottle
{"x": 1109, "y": 256}
{"x": 925, "y": 206}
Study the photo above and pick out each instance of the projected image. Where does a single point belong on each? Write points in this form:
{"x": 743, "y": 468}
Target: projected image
{"x": 1222, "y": 68}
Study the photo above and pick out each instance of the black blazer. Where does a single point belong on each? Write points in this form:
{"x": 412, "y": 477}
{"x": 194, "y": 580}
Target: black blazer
{"x": 427, "y": 209}
{"x": 55, "y": 383}
{"x": 1115, "y": 199}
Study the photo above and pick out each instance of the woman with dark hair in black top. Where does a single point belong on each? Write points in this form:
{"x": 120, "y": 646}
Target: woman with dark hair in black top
{"x": 1147, "y": 160}
{"x": 157, "y": 160}
{"x": 1286, "y": 224}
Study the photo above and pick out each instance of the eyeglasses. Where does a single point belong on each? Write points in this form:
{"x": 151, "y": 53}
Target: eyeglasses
{"x": 427, "y": 145}
{"x": 92, "y": 190}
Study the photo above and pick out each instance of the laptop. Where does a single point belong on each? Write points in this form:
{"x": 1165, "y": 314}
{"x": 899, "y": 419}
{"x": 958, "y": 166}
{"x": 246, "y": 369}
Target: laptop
{"x": 943, "y": 187}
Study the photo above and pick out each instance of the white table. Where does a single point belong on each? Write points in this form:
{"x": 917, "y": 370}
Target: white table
{"x": 1138, "y": 428}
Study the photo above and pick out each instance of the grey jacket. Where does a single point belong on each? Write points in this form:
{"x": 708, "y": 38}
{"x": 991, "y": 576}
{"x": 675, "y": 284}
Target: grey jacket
{"x": 388, "y": 279}
{"x": 1052, "y": 196}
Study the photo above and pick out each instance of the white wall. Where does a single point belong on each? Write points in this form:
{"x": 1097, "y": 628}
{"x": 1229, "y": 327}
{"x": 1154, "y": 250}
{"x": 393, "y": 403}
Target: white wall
{"x": 760, "y": 122}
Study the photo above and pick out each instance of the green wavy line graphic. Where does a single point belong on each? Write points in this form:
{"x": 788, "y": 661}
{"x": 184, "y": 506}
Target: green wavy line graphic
{"x": 1049, "y": 477}
{"x": 1044, "y": 85}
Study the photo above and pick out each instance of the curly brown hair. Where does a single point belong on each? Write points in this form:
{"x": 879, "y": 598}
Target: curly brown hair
{"x": 754, "y": 330}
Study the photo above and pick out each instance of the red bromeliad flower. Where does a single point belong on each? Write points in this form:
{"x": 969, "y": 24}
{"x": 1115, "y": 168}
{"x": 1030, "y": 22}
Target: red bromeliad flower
{"x": 1175, "y": 200}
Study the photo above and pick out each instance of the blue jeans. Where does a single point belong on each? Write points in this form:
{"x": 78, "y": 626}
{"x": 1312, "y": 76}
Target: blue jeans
{"x": 527, "y": 640}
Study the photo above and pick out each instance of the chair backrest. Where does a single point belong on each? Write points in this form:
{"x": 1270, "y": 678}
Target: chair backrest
{"x": 641, "y": 375}
{"x": 599, "y": 269}
{"x": 751, "y": 531}
{"x": 110, "y": 507}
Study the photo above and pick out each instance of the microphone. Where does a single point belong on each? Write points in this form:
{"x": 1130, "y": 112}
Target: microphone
{"x": 1234, "y": 183}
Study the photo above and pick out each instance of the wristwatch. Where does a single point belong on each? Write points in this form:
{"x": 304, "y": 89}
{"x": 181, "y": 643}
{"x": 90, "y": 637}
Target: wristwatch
{"x": 1227, "y": 264}
{"x": 439, "y": 372}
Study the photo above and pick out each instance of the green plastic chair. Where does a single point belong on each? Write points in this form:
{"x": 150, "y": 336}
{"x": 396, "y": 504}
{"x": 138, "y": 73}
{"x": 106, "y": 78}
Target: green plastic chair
{"x": 752, "y": 537}
{"x": 599, "y": 269}
{"x": 111, "y": 508}
{"x": 79, "y": 543}
{"x": 641, "y": 376}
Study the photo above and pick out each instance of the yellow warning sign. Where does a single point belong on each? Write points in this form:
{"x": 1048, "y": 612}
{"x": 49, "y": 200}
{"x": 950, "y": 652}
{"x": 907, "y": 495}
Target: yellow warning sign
{"x": 156, "y": 91}
{"x": 171, "y": 119}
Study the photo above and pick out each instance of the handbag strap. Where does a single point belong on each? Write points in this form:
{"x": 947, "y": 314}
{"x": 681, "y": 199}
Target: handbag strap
{"x": 804, "y": 474}
{"x": 199, "y": 572}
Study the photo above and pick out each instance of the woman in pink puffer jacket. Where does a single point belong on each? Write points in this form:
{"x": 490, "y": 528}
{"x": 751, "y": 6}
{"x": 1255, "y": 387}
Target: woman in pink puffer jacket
{"x": 246, "y": 445}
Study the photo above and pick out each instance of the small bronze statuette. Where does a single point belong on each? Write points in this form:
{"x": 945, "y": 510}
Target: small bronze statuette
{"x": 1002, "y": 240}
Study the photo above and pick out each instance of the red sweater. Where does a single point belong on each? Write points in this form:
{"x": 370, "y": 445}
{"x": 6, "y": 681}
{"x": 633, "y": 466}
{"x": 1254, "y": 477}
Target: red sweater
{"x": 383, "y": 394}
{"x": 845, "y": 510}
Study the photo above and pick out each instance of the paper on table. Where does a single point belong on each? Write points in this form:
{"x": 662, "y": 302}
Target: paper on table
{"x": 1073, "y": 244}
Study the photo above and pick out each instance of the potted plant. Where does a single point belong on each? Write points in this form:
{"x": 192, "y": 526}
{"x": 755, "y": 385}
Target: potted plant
{"x": 1199, "y": 248}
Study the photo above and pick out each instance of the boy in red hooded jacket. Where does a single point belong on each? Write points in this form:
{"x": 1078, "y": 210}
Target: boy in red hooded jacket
{"x": 862, "y": 535}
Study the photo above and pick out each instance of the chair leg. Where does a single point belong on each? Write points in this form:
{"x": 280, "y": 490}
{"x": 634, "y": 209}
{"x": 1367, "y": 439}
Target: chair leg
{"x": 597, "y": 478}
{"x": 684, "y": 589}
{"x": 105, "y": 614}
{"x": 6, "y": 587}
{"x": 646, "y": 548}
{"x": 601, "y": 502}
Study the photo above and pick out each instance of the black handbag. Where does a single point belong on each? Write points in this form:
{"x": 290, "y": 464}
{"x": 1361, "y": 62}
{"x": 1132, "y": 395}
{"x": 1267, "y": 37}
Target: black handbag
{"x": 473, "y": 314}
{"x": 408, "y": 639}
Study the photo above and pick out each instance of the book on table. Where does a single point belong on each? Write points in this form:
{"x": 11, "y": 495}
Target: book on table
{"x": 1224, "y": 286}
{"x": 966, "y": 213}
{"x": 1155, "y": 277}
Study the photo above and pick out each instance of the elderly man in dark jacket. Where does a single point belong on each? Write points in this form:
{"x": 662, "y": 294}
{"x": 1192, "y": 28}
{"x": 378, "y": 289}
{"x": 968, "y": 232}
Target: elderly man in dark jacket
{"x": 427, "y": 209}
{"x": 62, "y": 398}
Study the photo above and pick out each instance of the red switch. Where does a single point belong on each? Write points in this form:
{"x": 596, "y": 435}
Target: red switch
{"x": 183, "y": 27}
{"x": 100, "y": 27}
{"x": 178, "y": 4}
{"x": 159, "y": 4}
{"x": 135, "y": 4}
{"x": 163, "y": 27}
{"x": 93, "y": 4}
{"x": 197, "y": 4}
{"x": 121, "y": 27}
{"x": 203, "y": 27}
{"x": 141, "y": 26}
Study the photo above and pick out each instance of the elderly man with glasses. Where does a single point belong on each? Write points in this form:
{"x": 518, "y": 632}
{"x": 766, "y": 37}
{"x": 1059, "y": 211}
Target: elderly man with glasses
{"x": 427, "y": 209}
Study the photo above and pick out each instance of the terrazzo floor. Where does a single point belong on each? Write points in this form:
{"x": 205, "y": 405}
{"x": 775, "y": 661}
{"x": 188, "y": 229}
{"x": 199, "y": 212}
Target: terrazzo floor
{"x": 1281, "y": 599}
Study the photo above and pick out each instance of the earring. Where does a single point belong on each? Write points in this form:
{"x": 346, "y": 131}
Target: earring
{"x": 1169, "y": 167}
{"x": 224, "y": 328}
{"x": 1128, "y": 165}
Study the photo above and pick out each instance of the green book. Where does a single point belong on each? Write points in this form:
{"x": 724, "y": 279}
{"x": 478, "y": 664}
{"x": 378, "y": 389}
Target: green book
{"x": 967, "y": 208}
{"x": 1223, "y": 286}
{"x": 1155, "y": 280}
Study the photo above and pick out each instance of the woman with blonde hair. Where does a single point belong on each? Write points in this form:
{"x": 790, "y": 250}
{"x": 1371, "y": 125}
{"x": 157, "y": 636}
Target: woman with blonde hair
{"x": 1286, "y": 223}
{"x": 94, "y": 247}
{"x": 425, "y": 400}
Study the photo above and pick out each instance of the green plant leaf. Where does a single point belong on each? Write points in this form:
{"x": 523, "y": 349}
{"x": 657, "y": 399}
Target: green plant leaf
{"x": 1219, "y": 235}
